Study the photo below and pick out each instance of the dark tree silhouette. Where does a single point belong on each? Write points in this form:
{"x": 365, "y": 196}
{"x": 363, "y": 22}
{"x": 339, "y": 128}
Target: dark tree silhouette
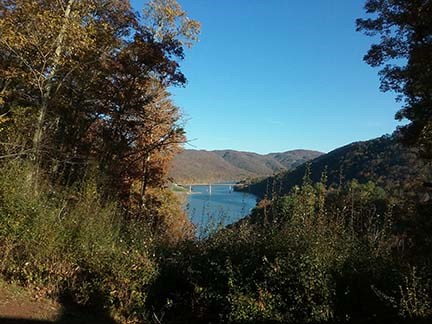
{"x": 405, "y": 55}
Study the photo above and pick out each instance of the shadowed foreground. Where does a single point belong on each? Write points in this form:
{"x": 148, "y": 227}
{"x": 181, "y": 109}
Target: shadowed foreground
{"x": 19, "y": 305}
{"x": 66, "y": 316}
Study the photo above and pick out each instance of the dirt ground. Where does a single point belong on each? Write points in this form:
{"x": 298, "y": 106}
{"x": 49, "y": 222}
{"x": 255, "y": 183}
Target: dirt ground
{"x": 19, "y": 305}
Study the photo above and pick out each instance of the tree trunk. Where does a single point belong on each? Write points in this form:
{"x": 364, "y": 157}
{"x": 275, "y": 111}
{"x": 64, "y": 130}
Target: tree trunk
{"x": 144, "y": 183}
{"x": 39, "y": 133}
{"x": 3, "y": 86}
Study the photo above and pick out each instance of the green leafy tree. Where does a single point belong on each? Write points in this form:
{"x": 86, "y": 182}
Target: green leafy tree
{"x": 404, "y": 52}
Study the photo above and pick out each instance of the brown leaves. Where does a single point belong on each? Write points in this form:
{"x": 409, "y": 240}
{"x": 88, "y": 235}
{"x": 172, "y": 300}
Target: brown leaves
{"x": 167, "y": 19}
{"x": 99, "y": 76}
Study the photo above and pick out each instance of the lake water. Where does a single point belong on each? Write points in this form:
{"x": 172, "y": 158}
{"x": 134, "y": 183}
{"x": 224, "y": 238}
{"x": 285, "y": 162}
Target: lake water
{"x": 221, "y": 206}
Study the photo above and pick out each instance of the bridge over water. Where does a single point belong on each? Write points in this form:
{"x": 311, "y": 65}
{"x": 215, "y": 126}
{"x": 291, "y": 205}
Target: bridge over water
{"x": 209, "y": 185}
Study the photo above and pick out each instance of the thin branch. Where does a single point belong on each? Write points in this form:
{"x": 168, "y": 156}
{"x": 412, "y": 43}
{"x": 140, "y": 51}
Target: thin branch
{"x": 24, "y": 61}
{"x": 14, "y": 155}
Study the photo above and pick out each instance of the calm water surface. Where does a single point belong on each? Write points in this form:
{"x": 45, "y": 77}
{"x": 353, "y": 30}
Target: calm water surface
{"x": 220, "y": 207}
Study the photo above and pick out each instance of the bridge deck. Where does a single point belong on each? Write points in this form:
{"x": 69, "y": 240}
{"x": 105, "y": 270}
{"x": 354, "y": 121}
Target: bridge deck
{"x": 209, "y": 184}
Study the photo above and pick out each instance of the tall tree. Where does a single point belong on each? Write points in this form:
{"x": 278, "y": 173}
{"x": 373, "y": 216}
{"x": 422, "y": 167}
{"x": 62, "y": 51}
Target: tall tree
{"x": 405, "y": 53}
{"x": 92, "y": 75}
{"x": 44, "y": 43}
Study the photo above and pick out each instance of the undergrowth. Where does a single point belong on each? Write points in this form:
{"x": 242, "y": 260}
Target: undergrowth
{"x": 316, "y": 255}
{"x": 72, "y": 246}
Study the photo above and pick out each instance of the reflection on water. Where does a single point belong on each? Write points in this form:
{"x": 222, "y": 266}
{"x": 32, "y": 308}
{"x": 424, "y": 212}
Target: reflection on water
{"x": 217, "y": 205}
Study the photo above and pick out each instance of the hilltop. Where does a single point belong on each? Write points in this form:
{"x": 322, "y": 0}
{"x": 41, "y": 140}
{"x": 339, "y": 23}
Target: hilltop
{"x": 382, "y": 160}
{"x": 197, "y": 166}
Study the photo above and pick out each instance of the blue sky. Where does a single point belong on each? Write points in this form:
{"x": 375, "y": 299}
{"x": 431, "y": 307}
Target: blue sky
{"x": 275, "y": 75}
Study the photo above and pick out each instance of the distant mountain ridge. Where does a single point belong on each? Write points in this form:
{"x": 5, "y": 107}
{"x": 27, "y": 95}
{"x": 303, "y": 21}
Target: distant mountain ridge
{"x": 382, "y": 160}
{"x": 200, "y": 166}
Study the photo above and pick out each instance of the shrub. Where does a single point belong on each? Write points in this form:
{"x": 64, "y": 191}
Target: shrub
{"x": 302, "y": 258}
{"x": 71, "y": 245}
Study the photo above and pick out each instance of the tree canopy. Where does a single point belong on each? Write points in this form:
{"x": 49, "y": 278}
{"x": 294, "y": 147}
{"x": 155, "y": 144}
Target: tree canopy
{"x": 83, "y": 84}
{"x": 404, "y": 52}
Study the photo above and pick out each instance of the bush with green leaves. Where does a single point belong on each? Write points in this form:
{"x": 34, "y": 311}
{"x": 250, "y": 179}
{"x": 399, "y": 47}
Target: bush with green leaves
{"x": 317, "y": 255}
{"x": 70, "y": 244}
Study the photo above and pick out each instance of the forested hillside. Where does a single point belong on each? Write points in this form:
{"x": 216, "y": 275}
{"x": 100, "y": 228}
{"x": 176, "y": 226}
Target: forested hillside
{"x": 383, "y": 161}
{"x": 199, "y": 166}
